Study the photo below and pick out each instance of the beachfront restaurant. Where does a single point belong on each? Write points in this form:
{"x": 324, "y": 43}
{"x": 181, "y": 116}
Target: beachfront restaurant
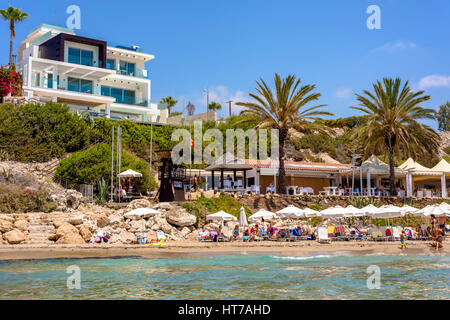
{"x": 301, "y": 177}
{"x": 426, "y": 182}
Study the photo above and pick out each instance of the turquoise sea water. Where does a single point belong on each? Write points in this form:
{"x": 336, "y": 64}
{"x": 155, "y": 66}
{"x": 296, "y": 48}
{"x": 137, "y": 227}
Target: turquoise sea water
{"x": 230, "y": 277}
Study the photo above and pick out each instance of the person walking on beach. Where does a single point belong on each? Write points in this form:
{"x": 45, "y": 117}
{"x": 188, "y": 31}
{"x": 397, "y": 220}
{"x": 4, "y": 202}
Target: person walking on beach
{"x": 433, "y": 223}
{"x": 402, "y": 240}
{"x": 441, "y": 221}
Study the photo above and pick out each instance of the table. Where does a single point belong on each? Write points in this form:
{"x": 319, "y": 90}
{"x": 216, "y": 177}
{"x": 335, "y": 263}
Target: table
{"x": 331, "y": 191}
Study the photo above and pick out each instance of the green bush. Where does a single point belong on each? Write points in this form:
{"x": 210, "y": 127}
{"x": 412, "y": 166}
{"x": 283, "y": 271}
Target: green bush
{"x": 90, "y": 166}
{"x": 20, "y": 199}
{"x": 204, "y": 206}
{"x": 38, "y": 133}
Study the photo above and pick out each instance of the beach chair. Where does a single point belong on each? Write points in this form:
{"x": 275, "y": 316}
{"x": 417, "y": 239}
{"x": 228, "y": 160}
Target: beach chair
{"x": 340, "y": 233}
{"x": 152, "y": 237}
{"x": 263, "y": 234}
{"x": 322, "y": 235}
{"x": 377, "y": 236}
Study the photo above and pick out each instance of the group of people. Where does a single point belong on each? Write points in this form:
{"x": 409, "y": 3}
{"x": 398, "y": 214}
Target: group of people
{"x": 254, "y": 233}
{"x": 435, "y": 231}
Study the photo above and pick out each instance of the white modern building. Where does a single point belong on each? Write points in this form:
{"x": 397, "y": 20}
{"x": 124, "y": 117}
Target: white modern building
{"x": 89, "y": 75}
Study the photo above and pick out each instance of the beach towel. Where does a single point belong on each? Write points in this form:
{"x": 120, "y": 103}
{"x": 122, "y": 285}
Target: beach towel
{"x": 331, "y": 229}
{"x": 161, "y": 236}
{"x": 152, "y": 237}
{"x": 323, "y": 235}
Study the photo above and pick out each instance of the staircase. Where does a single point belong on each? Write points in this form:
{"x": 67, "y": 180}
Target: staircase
{"x": 40, "y": 230}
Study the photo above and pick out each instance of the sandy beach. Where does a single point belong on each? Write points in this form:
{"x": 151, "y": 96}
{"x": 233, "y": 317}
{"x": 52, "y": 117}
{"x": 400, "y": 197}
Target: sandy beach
{"x": 191, "y": 249}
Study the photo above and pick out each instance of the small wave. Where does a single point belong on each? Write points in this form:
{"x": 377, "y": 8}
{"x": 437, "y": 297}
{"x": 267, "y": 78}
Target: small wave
{"x": 304, "y": 258}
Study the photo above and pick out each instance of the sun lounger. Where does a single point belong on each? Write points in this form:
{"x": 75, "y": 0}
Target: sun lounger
{"x": 322, "y": 235}
{"x": 377, "y": 236}
{"x": 152, "y": 237}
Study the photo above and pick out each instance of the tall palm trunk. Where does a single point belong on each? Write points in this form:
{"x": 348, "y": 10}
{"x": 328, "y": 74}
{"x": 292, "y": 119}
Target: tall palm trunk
{"x": 281, "y": 170}
{"x": 11, "y": 28}
{"x": 391, "y": 145}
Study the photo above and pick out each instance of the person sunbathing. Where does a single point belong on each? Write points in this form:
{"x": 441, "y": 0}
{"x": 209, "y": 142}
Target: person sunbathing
{"x": 203, "y": 234}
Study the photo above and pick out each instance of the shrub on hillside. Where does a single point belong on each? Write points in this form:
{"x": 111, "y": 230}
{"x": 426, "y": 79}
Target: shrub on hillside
{"x": 90, "y": 166}
{"x": 38, "y": 133}
{"x": 20, "y": 199}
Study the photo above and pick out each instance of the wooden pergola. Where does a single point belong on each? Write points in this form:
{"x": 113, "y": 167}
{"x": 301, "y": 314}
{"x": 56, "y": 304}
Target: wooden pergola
{"x": 228, "y": 162}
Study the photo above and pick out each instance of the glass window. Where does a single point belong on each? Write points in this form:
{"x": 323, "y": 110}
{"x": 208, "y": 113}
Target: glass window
{"x": 131, "y": 68}
{"x": 118, "y": 94}
{"x": 74, "y": 55}
{"x": 87, "y": 58}
{"x": 111, "y": 64}
{"x": 86, "y": 86}
{"x": 73, "y": 84}
{"x": 50, "y": 81}
{"x": 129, "y": 97}
{"x": 106, "y": 91}
{"x": 127, "y": 68}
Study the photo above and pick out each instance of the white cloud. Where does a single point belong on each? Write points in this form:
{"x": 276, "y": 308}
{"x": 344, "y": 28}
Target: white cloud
{"x": 343, "y": 93}
{"x": 399, "y": 45}
{"x": 434, "y": 80}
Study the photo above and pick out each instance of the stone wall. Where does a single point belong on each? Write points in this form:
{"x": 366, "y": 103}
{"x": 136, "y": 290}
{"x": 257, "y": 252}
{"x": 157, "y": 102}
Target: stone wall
{"x": 277, "y": 202}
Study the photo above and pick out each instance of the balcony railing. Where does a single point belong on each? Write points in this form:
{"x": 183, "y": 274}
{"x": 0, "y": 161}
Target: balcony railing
{"x": 94, "y": 90}
{"x": 139, "y": 73}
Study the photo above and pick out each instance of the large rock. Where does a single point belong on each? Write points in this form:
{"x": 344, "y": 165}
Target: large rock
{"x": 71, "y": 238}
{"x": 124, "y": 237}
{"x": 77, "y": 220}
{"x": 139, "y": 203}
{"x": 85, "y": 232}
{"x": 181, "y": 218}
{"x": 73, "y": 199}
{"x": 65, "y": 229}
{"x": 102, "y": 221}
{"x": 15, "y": 236}
{"x": 6, "y": 226}
{"x": 115, "y": 219}
{"x": 161, "y": 224}
{"x": 163, "y": 206}
{"x": 7, "y": 217}
{"x": 21, "y": 225}
{"x": 138, "y": 225}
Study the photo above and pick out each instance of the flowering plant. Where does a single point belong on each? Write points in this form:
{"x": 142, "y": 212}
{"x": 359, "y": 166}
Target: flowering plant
{"x": 10, "y": 82}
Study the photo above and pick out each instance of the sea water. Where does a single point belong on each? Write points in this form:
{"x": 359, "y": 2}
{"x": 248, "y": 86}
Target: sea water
{"x": 230, "y": 277}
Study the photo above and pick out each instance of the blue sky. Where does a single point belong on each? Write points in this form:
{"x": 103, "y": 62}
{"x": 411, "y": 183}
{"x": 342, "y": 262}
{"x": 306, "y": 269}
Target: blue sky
{"x": 227, "y": 45}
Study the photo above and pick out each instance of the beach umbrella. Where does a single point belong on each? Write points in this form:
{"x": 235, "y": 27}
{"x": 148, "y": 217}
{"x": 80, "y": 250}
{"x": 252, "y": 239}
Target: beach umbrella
{"x": 262, "y": 214}
{"x": 389, "y": 211}
{"x": 333, "y": 212}
{"x": 446, "y": 207}
{"x": 351, "y": 211}
{"x": 243, "y": 218}
{"x": 130, "y": 174}
{"x": 291, "y": 212}
{"x": 310, "y": 213}
{"x": 221, "y": 216}
{"x": 370, "y": 210}
{"x": 437, "y": 210}
{"x": 408, "y": 209}
{"x": 141, "y": 213}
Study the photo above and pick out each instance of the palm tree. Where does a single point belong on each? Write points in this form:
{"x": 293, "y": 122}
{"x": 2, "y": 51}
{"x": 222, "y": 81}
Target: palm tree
{"x": 443, "y": 116}
{"x": 12, "y": 15}
{"x": 170, "y": 102}
{"x": 214, "y": 106}
{"x": 392, "y": 125}
{"x": 283, "y": 110}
